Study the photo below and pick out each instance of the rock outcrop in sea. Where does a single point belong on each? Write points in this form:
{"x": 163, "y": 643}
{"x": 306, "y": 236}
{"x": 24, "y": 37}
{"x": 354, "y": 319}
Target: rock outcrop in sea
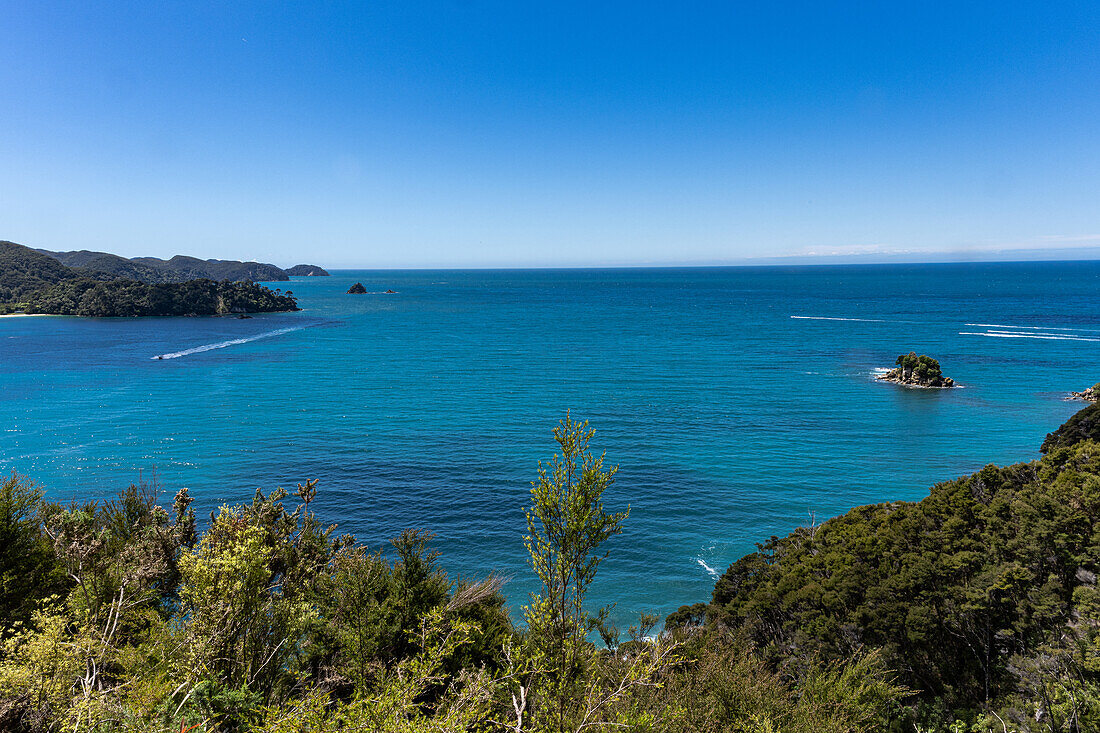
{"x": 918, "y": 371}
{"x": 1092, "y": 394}
{"x": 357, "y": 289}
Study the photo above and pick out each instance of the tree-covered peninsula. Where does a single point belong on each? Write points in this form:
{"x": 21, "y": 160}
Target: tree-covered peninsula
{"x": 32, "y": 281}
{"x": 976, "y": 609}
{"x": 87, "y": 297}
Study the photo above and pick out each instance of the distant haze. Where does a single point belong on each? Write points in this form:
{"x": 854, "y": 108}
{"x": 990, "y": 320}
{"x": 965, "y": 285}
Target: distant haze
{"x": 473, "y": 134}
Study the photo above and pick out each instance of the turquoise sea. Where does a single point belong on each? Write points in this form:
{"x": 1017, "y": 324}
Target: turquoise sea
{"x": 739, "y": 402}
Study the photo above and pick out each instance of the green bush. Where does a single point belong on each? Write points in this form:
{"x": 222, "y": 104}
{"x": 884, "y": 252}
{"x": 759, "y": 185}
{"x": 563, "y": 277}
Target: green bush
{"x": 923, "y": 366}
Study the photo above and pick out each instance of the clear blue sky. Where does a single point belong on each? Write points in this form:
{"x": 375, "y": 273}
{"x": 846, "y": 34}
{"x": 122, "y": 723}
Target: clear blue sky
{"x": 510, "y": 133}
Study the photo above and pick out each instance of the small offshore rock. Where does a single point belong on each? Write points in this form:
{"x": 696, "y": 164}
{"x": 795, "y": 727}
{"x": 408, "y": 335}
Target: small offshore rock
{"x": 357, "y": 289}
{"x": 918, "y": 371}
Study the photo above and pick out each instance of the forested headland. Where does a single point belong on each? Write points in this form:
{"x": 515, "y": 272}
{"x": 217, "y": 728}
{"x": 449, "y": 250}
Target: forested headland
{"x": 975, "y": 609}
{"x": 34, "y": 281}
{"x": 87, "y": 297}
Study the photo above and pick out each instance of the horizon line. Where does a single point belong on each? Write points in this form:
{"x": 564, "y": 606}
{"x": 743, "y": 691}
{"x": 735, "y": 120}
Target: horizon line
{"x": 1004, "y": 256}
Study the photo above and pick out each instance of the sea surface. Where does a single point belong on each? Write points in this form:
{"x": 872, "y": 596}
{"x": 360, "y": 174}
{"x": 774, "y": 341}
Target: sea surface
{"x": 738, "y": 402}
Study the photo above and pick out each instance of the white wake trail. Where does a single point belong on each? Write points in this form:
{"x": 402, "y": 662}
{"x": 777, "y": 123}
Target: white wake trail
{"x": 1031, "y": 328}
{"x": 831, "y": 318}
{"x": 1007, "y": 335}
{"x": 225, "y": 344}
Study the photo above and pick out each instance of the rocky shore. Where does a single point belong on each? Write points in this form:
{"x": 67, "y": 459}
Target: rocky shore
{"x": 918, "y": 371}
{"x": 1092, "y": 394}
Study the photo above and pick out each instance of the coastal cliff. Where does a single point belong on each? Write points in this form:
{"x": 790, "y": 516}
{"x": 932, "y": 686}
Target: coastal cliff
{"x": 918, "y": 371}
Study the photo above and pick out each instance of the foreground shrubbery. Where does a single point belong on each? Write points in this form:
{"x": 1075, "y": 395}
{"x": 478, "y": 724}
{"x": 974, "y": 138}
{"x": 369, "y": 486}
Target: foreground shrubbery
{"x": 983, "y": 596}
{"x": 122, "y": 617}
{"x": 976, "y": 609}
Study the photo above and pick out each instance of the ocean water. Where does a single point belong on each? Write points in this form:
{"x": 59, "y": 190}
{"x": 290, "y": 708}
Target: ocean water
{"x": 738, "y": 402}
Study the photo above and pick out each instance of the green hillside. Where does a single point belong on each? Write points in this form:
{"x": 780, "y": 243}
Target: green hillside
{"x": 307, "y": 271}
{"x": 99, "y": 284}
{"x": 24, "y": 271}
{"x": 96, "y": 264}
{"x": 190, "y": 268}
{"x": 175, "y": 270}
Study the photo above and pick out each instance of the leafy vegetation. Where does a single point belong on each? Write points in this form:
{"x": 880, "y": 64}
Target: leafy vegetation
{"x": 104, "y": 266}
{"x": 983, "y": 596}
{"x": 924, "y": 367}
{"x": 175, "y": 270}
{"x": 1084, "y": 425}
{"x": 24, "y": 271}
{"x": 86, "y": 297}
{"x": 122, "y": 616}
{"x": 975, "y": 609}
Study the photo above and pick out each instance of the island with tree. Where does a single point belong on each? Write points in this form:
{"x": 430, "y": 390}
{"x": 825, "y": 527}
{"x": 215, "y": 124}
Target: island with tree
{"x": 918, "y": 371}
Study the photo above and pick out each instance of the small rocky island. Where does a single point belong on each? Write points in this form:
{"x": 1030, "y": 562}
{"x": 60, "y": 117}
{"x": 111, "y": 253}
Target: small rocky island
{"x": 918, "y": 371}
{"x": 357, "y": 289}
{"x": 1092, "y": 394}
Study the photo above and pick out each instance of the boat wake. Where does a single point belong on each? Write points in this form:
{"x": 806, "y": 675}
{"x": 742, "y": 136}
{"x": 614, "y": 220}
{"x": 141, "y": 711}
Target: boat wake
{"x": 1028, "y": 335}
{"x": 1031, "y": 328}
{"x": 832, "y": 318}
{"x": 225, "y": 344}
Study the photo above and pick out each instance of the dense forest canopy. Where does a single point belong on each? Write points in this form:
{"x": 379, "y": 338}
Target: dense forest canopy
{"x": 24, "y": 271}
{"x": 175, "y": 270}
{"x": 102, "y": 265}
{"x": 923, "y": 366}
{"x": 86, "y": 297}
{"x": 983, "y": 596}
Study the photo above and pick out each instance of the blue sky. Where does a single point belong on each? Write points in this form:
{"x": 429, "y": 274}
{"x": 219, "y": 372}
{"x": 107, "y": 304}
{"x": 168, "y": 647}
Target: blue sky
{"x": 506, "y": 133}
